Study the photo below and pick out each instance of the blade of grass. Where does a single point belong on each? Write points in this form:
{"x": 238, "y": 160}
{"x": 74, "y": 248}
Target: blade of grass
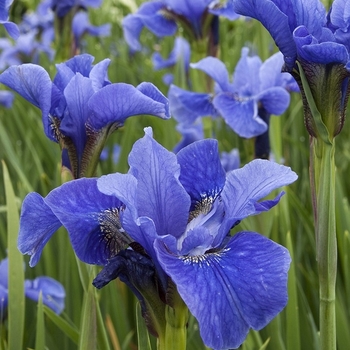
{"x": 16, "y": 271}
{"x": 40, "y": 326}
{"x": 142, "y": 332}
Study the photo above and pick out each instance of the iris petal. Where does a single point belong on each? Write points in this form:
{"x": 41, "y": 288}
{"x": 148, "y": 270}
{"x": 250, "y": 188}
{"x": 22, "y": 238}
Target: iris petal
{"x": 114, "y": 103}
{"x": 240, "y": 287}
{"x": 202, "y": 174}
{"x": 37, "y": 224}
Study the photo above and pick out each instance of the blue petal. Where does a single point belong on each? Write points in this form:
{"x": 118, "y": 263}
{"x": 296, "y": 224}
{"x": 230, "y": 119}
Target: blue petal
{"x": 311, "y": 51}
{"x": 98, "y": 74}
{"x": 6, "y": 99}
{"x": 340, "y": 14}
{"x": 187, "y": 106}
{"x": 34, "y": 84}
{"x": 81, "y": 64}
{"x": 4, "y": 274}
{"x": 12, "y": 29}
{"x": 77, "y": 94}
{"x": 242, "y": 286}
{"x": 53, "y": 293}
{"x": 246, "y": 186}
{"x": 37, "y": 224}
{"x": 161, "y": 197}
{"x": 246, "y": 82}
{"x": 114, "y": 103}
{"x": 148, "y": 15}
{"x": 92, "y": 227}
{"x": 215, "y": 69}
{"x": 270, "y": 73}
{"x": 275, "y": 100}
{"x": 274, "y": 20}
{"x": 202, "y": 174}
{"x": 225, "y": 11}
{"x": 240, "y": 114}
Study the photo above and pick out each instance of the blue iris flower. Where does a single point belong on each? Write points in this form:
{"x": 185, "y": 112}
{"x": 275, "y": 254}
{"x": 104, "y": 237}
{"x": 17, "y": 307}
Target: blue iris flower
{"x": 302, "y": 29}
{"x": 53, "y": 293}
{"x": 160, "y": 18}
{"x": 171, "y": 215}
{"x": 10, "y": 27}
{"x": 80, "y": 107}
{"x": 319, "y": 41}
{"x": 255, "y": 84}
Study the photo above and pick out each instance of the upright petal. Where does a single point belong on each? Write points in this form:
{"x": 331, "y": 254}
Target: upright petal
{"x": 202, "y": 174}
{"x": 160, "y": 196}
{"x": 116, "y": 102}
{"x": 37, "y": 224}
{"x": 77, "y": 94}
{"x": 216, "y": 69}
{"x": 242, "y": 286}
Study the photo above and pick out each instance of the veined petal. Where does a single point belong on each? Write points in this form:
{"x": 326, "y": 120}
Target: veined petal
{"x": 77, "y": 94}
{"x": 98, "y": 74}
{"x": 53, "y": 293}
{"x": 12, "y": 29}
{"x": 246, "y": 186}
{"x": 202, "y": 174}
{"x": 242, "y": 286}
{"x": 94, "y": 229}
{"x": 270, "y": 73}
{"x": 216, "y": 69}
{"x": 116, "y": 102}
{"x": 160, "y": 195}
{"x": 33, "y": 83}
{"x": 311, "y": 51}
{"x": 37, "y": 224}
{"x": 274, "y": 20}
{"x": 151, "y": 91}
{"x": 240, "y": 114}
{"x": 186, "y": 106}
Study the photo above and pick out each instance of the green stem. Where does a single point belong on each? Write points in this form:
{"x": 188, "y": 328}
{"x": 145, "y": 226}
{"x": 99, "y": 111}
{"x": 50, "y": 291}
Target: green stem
{"x": 323, "y": 179}
{"x": 176, "y": 326}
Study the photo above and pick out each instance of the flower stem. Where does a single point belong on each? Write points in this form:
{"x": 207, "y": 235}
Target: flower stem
{"x": 322, "y": 174}
{"x": 176, "y": 326}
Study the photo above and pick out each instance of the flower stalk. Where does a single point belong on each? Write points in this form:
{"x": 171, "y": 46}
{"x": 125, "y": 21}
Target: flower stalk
{"x": 322, "y": 179}
{"x": 323, "y": 173}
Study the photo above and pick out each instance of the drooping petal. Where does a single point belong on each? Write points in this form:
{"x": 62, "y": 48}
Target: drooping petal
{"x": 246, "y": 186}
{"x": 33, "y": 83}
{"x": 94, "y": 229}
{"x": 116, "y": 102}
{"x": 37, "y": 224}
{"x": 240, "y": 114}
{"x": 53, "y": 293}
{"x": 216, "y": 69}
{"x": 186, "y": 106}
{"x": 242, "y": 286}
{"x": 275, "y": 100}
{"x": 160, "y": 195}
{"x": 202, "y": 174}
